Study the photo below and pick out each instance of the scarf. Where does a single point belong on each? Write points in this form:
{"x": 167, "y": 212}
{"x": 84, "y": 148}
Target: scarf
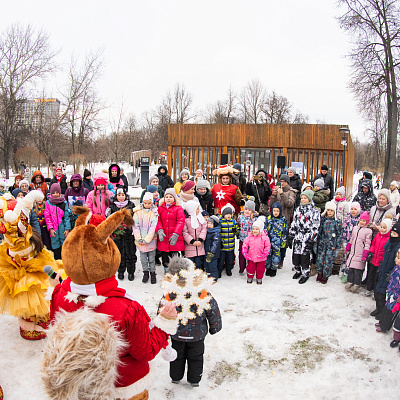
{"x": 106, "y": 287}
{"x": 121, "y": 204}
{"x": 54, "y": 201}
{"x": 186, "y": 197}
{"x": 336, "y": 199}
{"x": 195, "y": 219}
{"x": 59, "y": 179}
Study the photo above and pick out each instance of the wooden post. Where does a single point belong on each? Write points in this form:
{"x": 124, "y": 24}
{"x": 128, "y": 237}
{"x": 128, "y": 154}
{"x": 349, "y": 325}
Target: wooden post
{"x": 170, "y": 160}
{"x": 272, "y": 162}
{"x": 308, "y": 166}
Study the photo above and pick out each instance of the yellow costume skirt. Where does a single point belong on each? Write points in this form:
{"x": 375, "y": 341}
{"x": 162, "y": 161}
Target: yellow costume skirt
{"x": 23, "y": 284}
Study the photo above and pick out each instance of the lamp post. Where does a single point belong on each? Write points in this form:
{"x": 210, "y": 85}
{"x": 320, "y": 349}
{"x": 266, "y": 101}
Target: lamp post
{"x": 344, "y": 132}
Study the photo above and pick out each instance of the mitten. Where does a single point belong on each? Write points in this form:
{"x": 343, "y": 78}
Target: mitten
{"x": 364, "y": 255}
{"x": 369, "y": 257}
{"x": 348, "y": 247}
{"x": 310, "y": 244}
{"x": 290, "y": 242}
{"x": 209, "y": 257}
{"x": 396, "y": 308}
{"x": 173, "y": 239}
{"x": 169, "y": 353}
{"x": 161, "y": 235}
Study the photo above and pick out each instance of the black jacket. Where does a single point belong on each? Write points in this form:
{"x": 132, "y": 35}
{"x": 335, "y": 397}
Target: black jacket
{"x": 366, "y": 201}
{"x": 88, "y": 184}
{"x": 296, "y": 184}
{"x": 164, "y": 180}
{"x": 240, "y": 181}
{"x": 328, "y": 180}
{"x": 206, "y": 201}
{"x": 261, "y": 192}
{"x": 63, "y": 183}
{"x": 125, "y": 180}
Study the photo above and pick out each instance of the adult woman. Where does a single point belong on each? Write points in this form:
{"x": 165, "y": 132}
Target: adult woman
{"x": 258, "y": 187}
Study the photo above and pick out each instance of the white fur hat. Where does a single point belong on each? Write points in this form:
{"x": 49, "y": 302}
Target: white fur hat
{"x": 342, "y": 191}
{"x": 22, "y": 182}
{"x": 382, "y": 192}
{"x": 330, "y": 205}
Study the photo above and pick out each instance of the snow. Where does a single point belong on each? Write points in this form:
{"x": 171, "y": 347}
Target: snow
{"x": 279, "y": 340}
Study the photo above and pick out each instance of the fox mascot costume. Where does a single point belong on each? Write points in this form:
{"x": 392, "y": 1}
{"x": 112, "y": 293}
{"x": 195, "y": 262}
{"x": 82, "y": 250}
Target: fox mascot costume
{"x": 101, "y": 340}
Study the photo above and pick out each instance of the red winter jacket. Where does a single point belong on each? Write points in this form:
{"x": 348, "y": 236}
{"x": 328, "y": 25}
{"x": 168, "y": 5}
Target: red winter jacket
{"x": 170, "y": 220}
{"x": 377, "y": 248}
{"x": 132, "y": 319}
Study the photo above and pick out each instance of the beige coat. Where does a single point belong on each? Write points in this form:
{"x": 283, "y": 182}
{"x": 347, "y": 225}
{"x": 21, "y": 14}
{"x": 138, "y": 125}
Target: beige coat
{"x": 288, "y": 201}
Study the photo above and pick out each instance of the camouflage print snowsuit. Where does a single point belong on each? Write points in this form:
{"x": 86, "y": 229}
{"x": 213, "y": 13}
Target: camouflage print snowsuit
{"x": 276, "y": 229}
{"x": 329, "y": 241}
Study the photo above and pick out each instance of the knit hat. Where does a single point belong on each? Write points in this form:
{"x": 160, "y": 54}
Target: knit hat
{"x": 228, "y": 209}
{"x": 205, "y": 214}
{"x": 55, "y": 187}
{"x": 285, "y": 178}
{"x": 356, "y": 205}
{"x": 151, "y": 188}
{"x": 86, "y": 173}
{"x": 120, "y": 190}
{"x": 259, "y": 223}
{"x": 330, "y": 205}
{"x": 215, "y": 220}
{"x": 187, "y": 186}
{"x": 365, "y": 216}
{"x": 22, "y": 182}
{"x": 100, "y": 179}
{"x": 382, "y": 192}
{"x": 170, "y": 191}
{"x": 293, "y": 169}
{"x": 18, "y": 177}
{"x": 154, "y": 177}
{"x": 388, "y": 222}
{"x": 250, "y": 205}
{"x": 342, "y": 191}
{"x": 279, "y": 207}
{"x": 367, "y": 175}
{"x": 199, "y": 170}
{"x": 15, "y": 192}
{"x": 202, "y": 183}
{"x": 114, "y": 168}
{"x": 237, "y": 166}
{"x": 324, "y": 168}
{"x": 396, "y": 227}
{"x": 184, "y": 171}
{"x": 148, "y": 196}
{"x": 309, "y": 194}
{"x": 394, "y": 183}
{"x": 306, "y": 184}
{"x": 320, "y": 183}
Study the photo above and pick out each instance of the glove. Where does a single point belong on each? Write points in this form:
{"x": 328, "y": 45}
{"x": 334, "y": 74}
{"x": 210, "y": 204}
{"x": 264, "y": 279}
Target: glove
{"x": 369, "y": 257}
{"x": 290, "y": 242}
{"x": 310, "y": 245}
{"x": 348, "y": 247}
{"x": 209, "y": 257}
{"x": 364, "y": 255}
{"x": 173, "y": 239}
{"x": 161, "y": 235}
{"x": 396, "y": 308}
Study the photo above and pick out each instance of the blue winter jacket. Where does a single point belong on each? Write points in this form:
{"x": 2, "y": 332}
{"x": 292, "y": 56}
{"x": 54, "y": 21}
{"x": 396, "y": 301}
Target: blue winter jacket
{"x": 212, "y": 243}
{"x": 386, "y": 266}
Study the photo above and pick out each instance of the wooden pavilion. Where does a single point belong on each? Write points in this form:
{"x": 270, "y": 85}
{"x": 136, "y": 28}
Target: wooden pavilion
{"x": 257, "y": 146}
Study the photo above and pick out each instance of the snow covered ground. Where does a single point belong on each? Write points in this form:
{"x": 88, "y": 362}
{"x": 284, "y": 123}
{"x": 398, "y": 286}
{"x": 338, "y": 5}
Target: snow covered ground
{"x": 280, "y": 340}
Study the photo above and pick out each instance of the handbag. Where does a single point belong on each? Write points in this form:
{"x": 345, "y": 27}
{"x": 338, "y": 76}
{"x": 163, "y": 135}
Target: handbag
{"x": 264, "y": 209}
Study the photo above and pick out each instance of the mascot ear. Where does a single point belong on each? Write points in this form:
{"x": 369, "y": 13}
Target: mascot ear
{"x": 106, "y": 228}
{"x": 84, "y": 215}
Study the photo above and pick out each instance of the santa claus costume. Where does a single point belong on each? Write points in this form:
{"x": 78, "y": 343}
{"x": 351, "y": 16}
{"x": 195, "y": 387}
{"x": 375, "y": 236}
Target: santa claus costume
{"x": 228, "y": 192}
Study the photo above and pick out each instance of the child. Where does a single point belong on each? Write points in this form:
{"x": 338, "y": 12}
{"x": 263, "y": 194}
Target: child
{"x": 184, "y": 281}
{"x": 56, "y": 214}
{"x": 348, "y": 226}
{"x": 212, "y": 247}
{"x": 184, "y": 176}
{"x": 122, "y": 236}
{"x": 98, "y": 200}
{"x": 228, "y": 234}
{"x": 392, "y": 246}
{"x": 2, "y": 187}
{"x": 321, "y": 195}
{"x": 342, "y": 206}
{"x": 187, "y": 194}
{"x": 393, "y": 300}
{"x": 194, "y": 234}
{"x": 276, "y": 229}
{"x": 357, "y": 248}
{"x": 38, "y": 182}
{"x": 114, "y": 173}
{"x": 154, "y": 181}
{"x": 171, "y": 220}
{"x": 39, "y": 207}
{"x": 328, "y": 243}
{"x": 256, "y": 248}
{"x": 303, "y": 235}
{"x": 205, "y": 215}
{"x": 245, "y": 224}
{"x": 376, "y": 254}
{"x": 145, "y": 238}
{"x": 204, "y": 195}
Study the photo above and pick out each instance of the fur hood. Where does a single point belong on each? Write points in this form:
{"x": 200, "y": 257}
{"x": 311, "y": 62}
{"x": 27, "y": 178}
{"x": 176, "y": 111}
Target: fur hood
{"x": 177, "y": 202}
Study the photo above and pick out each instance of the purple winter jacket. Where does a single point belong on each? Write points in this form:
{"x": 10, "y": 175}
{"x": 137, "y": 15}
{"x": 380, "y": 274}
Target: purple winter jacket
{"x": 73, "y": 194}
{"x": 360, "y": 244}
{"x": 191, "y": 235}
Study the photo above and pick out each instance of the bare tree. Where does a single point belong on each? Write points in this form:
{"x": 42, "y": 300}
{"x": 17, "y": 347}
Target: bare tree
{"x": 277, "y": 109}
{"x": 375, "y": 57}
{"x": 251, "y": 102}
{"x": 25, "y": 56}
{"x": 223, "y": 111}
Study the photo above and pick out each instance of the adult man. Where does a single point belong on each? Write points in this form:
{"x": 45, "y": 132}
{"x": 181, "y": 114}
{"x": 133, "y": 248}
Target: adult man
{"x": 328, "y": 180}
{"x": 123, "y": 177}
{"x": 366, "y": 197}
{"x": 238, "y": 178}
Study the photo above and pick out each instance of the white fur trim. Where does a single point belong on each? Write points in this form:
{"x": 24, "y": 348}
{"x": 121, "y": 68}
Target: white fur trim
{"x": 125, "y": 393}
{"x": 21, "y": 253}
{"x": 49, "y": 293}
{"x": 1, "y": 204}
{"x": 7, "y": 196}
{"x": 169, "y": 354}
{"x": 72, "y": 297}
{"x": 86, "y": 290}
{"x": 10, "y": 216}
{"x": 88, "y": 218}
{"x": 169, "y": 326}
{"x": 94, "y": 301}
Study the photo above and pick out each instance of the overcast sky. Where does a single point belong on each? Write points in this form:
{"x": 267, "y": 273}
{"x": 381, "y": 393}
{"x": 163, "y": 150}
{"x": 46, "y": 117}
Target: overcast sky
{"x": 293, "y": 47}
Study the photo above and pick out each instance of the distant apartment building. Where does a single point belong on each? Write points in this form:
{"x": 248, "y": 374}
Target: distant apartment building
{"x": 33, "y": 114}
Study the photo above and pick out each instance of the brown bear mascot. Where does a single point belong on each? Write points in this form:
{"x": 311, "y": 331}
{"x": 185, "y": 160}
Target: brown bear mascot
{"x": 101, "y": 339}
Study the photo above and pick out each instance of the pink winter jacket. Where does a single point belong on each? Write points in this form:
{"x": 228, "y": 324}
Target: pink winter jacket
{"x": 191, "y": 235}
{"x": 360, "y": 243}
{"x": 256, "y": 248}
{"x": 171, "y": 220}
{"x": 377, "y": 248}
{"x": 100, "y": 207}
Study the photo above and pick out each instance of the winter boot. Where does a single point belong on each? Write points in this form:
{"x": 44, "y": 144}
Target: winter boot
{"x": 303, "y": 279}
{"x": 319, "y": 277}
{"x": 153, "y": 278}
{"x": 355, "y": 289}
{"x": 324, "y": 280}
{"x": 297, "y": 275}
{"x": 259, "y": 282}
{"x": 145, "y": 276}
{"x": 131, "y": 277}
{"x": 267, "y": 272}
{"x": 121, "y": 276}
{"x": 393, "y": 344}
{"x": 249, "y": 280}
{"x": 280, "y": 265}
{"x": 272, "y": 273}
{"x": 313, "y": 270}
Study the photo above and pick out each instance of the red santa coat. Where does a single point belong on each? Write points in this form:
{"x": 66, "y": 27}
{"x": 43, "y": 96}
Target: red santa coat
{"x": 224, "y": 194}
{"x": 133, "y": 320}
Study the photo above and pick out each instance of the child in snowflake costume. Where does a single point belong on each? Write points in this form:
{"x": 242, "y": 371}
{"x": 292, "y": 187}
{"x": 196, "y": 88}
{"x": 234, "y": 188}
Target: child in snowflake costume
{"x": 276, "y": 227}
{"x": 198, "y": 313}
{"x": 92, "y": 315}
{"x": 225, "y": 191}
{"x": 329, "y": 242}
{"x": 303, "y": 235}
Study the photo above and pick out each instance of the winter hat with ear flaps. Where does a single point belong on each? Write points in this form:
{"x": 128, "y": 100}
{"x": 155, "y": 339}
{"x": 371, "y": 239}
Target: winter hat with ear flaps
{"x": 330, "y": 205}
{"x": 89, "y": 254}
